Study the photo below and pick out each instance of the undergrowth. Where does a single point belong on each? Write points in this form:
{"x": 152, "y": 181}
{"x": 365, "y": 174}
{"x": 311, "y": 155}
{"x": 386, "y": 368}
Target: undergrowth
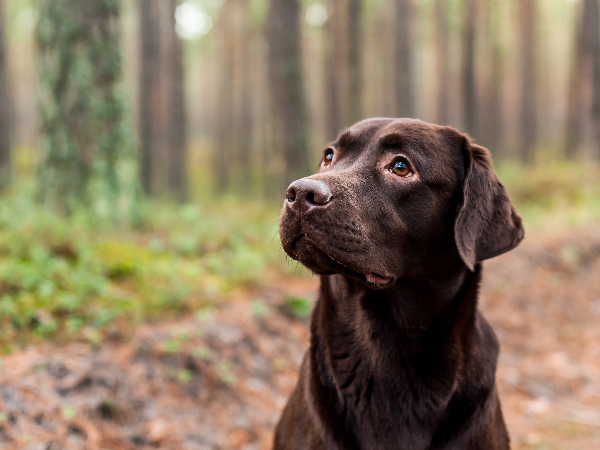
{"x": 554, "y": 196}
{"x": 75, "y": 279}
{"x": 64, "y": 279}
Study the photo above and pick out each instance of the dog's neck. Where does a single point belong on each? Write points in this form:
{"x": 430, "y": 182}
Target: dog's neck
{"x": 406, "y": 331}
{"x": 381, "y": 358}
{"x": 416, "y": 338}
{"x": 411, "y": 308}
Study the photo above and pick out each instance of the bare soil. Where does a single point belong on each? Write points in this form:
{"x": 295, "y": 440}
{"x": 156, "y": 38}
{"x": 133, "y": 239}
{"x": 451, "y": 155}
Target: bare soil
{"x": 219, "y": 379}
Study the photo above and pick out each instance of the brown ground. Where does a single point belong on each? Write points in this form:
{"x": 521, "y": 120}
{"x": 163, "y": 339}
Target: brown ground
{"x": 220, "y": 379}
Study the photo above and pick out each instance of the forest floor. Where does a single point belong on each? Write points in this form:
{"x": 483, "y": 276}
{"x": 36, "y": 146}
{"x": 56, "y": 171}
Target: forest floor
{"x": 220, "y": 378}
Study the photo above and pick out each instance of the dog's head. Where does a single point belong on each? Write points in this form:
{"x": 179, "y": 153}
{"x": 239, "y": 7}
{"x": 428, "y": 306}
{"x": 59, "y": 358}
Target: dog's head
{"x": 396, "y": 198}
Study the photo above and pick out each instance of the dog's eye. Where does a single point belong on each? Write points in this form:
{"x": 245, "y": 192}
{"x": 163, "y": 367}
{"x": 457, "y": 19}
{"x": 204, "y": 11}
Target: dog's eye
{"x": 400, "y": 168}
{"x": 328, "y": 158}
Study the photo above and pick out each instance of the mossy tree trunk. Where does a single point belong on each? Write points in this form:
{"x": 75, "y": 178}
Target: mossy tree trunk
{"x": 86, "y": 156}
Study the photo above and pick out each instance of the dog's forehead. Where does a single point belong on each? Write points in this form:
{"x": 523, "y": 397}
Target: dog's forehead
{"x": 409, "y": 134}
{"x": 361, "y": 132}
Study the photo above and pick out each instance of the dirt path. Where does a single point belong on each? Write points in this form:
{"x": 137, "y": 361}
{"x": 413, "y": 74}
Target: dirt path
{"x": 219, "y": 380}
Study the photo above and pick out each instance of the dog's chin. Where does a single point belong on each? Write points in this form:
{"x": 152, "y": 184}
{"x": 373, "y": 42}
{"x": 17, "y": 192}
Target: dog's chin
{"x": 318, "y": 261}
{"x": 313, "y": 258}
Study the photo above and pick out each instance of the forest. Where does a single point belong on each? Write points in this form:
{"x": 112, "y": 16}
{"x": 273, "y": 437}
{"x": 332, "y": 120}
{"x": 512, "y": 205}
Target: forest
{"x": 145, "y": 149}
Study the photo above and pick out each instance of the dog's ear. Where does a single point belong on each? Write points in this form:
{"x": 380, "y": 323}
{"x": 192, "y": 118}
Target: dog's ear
{"x": 487, "y": 224}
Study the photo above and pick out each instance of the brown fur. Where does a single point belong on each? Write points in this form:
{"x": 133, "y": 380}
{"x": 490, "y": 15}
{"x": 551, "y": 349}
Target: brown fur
{"x": 400, "y": 357}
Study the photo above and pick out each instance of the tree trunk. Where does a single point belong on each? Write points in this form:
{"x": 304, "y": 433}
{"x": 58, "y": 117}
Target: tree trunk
{"x": 225, "y": 140}
{"x": 582, "y": 79}
{"x": 177, "y": 129}
{"x": 528, "y": 18}
{"x": 595, "y": 26}
{"x": 332, "y": 110}
{"x": 82, "y": 116}
{"x": 287, "y": 96}
{"x": 354, "y": 59}
{"x": 405, "y": 86}
{"x": 494, "y": 114}
{"x": 245, "y": 123}
{"x": 150, "y": 91}
{"x": 339, "y": 65}
{"x": 443, "y": 72}
{"x": 5, "y": 108}
{"x": 468, "y": 68}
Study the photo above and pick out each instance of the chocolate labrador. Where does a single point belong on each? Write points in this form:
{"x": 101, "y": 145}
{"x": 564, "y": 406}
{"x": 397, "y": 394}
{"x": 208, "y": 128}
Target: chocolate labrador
{"x": 397, "y": 221}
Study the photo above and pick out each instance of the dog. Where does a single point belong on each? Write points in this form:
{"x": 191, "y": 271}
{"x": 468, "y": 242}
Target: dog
{"x": 397, "y": 222}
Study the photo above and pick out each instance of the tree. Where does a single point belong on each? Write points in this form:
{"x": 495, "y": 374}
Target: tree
{"x": 150, "y": 95}
{"x": 494, "y": 121}
{"x": 344, "y": 72}
{"x": 443, "y": 73}
{"x": 332, "y": 71}
{"x": 527, "y": 24}
{"x": 177, "y": 117}
{"x": 84, "y": 139}
{"x": 596, "y": 79}
{"x": 354, "y": 59}
{"x": 582, "y": 78}
{"x": 5, "y": 105}
{"x": 287, "y": 96}
{"x": 405, "y": 87}
{"x": 469, "y": 93}
{"x": 244, "y": 136}
{"x": 225, "y": 142}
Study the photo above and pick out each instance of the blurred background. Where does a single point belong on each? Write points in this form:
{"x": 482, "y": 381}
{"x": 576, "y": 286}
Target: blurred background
{"x": 145, "y": 147}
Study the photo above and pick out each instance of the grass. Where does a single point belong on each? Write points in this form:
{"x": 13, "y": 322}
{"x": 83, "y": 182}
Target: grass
{"x": 554, "y": 196}
{"x": 73, "y": 279}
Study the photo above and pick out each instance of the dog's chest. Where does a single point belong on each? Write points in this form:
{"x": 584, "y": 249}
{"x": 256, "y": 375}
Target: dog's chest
{"x": 390, "y": 413}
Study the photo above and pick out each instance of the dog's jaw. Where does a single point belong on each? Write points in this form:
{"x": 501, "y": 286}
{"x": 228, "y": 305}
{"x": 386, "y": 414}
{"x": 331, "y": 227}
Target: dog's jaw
{"x": 300, "y": 246}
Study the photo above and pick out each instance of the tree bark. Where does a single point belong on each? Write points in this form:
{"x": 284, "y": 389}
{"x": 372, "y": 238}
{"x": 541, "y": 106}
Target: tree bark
{"x": 177, "y": 129}
{"x": 582, "y": 78}
{"x": 354, "y": 59}
{"x": 287, "y": 96}
{"x": 339, "y": 66}
{"x": 468, "y": 68}
{"x": 223, "y": 161}
{"x": 84, "y": 140}
{"x": 528, "y": 19}
{"x": 443, "y": 72}
{"x": 332, "y": 111}
{"x": 245, "y": 133}
{"x": 494, "y": 114}
{"x": 595, "y": 26}
{"x": 5, "y": 108}
{"x": 405, "y": 86}
{"x": 150, "y": 91}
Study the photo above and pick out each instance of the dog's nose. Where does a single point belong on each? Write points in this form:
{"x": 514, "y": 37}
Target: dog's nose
{"x": 306, "y": 194}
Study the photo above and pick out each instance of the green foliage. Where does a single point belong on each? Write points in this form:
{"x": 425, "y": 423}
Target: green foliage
{"x": 224, "y": 374}
{"x": 78, "y": 278}
{"x": 554, "y": 195}
{"x": 70, "y": 278}
{"x": 298, "y": 307}
{"x": 69, "y": 412}
{"x": 87, "y": 156}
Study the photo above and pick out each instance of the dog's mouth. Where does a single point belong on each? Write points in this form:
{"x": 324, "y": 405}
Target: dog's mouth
{"x": 302, "y": 249}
